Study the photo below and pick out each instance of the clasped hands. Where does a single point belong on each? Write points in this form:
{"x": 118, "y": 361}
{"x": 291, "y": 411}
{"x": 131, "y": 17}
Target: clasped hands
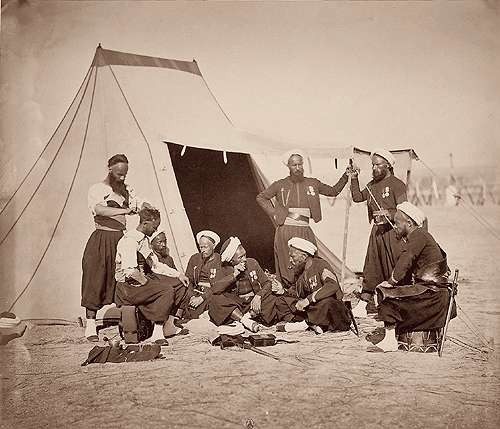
{"x": 352, "y": 170}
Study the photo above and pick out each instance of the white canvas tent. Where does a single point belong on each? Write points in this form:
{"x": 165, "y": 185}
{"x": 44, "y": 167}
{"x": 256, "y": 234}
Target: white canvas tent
{"x": 132, "y": 104}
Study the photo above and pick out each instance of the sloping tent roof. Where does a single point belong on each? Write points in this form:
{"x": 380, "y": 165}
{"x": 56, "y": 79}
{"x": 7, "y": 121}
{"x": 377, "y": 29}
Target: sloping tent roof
{"x": 126, "y": 104}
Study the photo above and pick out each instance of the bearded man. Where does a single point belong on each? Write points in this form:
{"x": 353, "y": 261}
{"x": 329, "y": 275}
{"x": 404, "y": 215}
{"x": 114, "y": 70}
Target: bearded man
{"x": 382, "y": 195}
{"x": 160, "y": 248}
{"x": 202, "y": 270}
{"x": 162, "y": 263}
{"x": 109, "y": 202}
{"x": 296, "y": 200}
{"x": 415, "y": 298}
{"x": 315, "y": 298}
{"x": 241, "y": 291}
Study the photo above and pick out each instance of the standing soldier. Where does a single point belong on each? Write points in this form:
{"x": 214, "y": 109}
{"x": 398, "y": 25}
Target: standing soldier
{"x": 382, "y": 195}
{"x": 296, "y": 201}
{"x": 109, "y": 202}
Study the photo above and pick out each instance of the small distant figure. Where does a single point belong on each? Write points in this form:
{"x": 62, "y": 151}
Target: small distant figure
{"x": 452, "y": 196}
{"x": 482, "y": 193}
{"x": 435, "y": 197}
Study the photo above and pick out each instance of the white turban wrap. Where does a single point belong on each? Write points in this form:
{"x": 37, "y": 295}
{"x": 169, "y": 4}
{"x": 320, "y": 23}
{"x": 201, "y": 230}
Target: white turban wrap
{"x": 287, "y": 155}
{"x": 209, "y": 234}
{"x": 302, "y": 244}
{"x": 229, "y": 248}
{"x": 388, "y": 156}
{"x": 412, "y": 212}
{"x": 235, "y": 328}
{"x": 156, "y": 234}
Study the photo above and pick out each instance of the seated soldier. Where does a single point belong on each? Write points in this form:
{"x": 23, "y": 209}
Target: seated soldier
{"x": 202, "y": 270}
{"x": 415, "y": 298}
{"x": 241, "y": 290}
{"x": 157, "y": 296}
{"x": 161, "y": 251}
{"x": 315, "y": 298}
{"x": 160, "y": 260}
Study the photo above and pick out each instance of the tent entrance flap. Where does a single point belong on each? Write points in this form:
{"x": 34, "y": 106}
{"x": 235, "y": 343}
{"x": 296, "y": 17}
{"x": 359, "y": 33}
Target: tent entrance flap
{"x": 221, "y": 197}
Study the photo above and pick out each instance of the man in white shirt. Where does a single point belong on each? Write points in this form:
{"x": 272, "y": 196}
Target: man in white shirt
{"x": 157, "y": 296}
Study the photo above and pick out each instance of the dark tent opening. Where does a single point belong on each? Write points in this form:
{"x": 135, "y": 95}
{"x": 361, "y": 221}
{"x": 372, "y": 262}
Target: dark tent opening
{"x": 221, "y": 197}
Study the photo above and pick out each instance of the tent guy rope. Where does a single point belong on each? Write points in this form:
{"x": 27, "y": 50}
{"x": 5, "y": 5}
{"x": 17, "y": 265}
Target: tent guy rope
{"x": 50, "y": 165}
{"x": 149, "y": 151}
{"x": 487, "y": 225}
{"x": 66, "y": 199}
{"x": 48, "y": 143}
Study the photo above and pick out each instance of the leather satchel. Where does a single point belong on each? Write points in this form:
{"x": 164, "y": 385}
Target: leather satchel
{"x": 264, "y": 340}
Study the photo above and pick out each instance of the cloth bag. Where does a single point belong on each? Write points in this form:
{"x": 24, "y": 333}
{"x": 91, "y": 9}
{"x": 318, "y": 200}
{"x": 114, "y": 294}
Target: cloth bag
{"x": 135, "y": 353}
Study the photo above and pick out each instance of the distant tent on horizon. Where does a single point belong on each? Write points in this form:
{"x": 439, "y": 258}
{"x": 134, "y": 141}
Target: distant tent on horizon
{"x": 186, "y": 158}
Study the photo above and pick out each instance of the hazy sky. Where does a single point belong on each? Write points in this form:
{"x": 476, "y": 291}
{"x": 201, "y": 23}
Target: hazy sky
{"x": 416, "y": 74}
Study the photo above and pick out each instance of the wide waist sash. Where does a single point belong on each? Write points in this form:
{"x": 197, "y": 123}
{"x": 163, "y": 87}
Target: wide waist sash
{"x": 108, "y": 224}
{"x": 298, "y": 216}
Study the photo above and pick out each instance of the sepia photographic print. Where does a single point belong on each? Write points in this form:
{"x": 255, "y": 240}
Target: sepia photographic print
{"x": 249, "y": 214}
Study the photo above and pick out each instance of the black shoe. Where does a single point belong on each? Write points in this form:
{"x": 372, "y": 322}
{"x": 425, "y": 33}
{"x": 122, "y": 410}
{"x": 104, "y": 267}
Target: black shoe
{"x": 180, "y": 322}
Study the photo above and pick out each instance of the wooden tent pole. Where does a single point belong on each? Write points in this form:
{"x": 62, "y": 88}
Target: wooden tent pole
{"x": 346, "y": 230}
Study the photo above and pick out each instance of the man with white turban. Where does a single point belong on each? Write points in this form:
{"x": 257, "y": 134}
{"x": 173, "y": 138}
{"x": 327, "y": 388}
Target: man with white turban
{"x": 160, "y": 248}
{"x": 241, "y": 291}
{"x": 315, "y": 298}
{"x": 296, "y": 201}
{"x": 202, "y": 270}
{"x": 415, "y": 298}
{"x": 382, "y": 194}
{"x": 160, "y": 260}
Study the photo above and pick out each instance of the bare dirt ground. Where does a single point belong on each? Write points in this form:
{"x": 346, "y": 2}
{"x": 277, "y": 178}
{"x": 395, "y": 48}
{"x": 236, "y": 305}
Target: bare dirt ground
{"x": 322, "y": 382}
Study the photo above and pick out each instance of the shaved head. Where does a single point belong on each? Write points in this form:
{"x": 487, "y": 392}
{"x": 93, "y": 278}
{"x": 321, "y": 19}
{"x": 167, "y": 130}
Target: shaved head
{"x": 296, "y": 167}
